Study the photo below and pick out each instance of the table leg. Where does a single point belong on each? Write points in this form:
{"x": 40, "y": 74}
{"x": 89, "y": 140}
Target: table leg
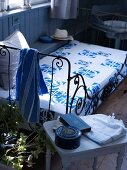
{"x": 48, "y": 159}
{"x": 117, "y": 43}
{"x": 95, "y": 163}
{"x": 120, "y": 158}
{"x": 65, "y": 164}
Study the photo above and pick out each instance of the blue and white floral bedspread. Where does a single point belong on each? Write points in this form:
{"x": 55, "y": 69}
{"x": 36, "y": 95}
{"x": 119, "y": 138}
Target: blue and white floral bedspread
{"x": 97, "y": 64}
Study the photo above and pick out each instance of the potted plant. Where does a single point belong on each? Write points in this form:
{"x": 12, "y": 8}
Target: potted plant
{"x": 16, "y": 144}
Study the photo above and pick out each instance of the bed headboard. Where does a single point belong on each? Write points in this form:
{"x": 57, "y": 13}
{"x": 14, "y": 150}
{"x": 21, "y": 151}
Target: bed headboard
{"x": 58, "y": 61}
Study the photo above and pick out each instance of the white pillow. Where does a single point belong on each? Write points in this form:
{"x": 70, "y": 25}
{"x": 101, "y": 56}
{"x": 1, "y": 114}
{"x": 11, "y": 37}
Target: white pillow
{"x": 16, "y": 39}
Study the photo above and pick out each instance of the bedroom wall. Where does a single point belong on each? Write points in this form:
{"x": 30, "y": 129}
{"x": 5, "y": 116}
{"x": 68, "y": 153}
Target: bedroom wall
{"x": 32, "y": 23}
{"x": 37, "y": 21}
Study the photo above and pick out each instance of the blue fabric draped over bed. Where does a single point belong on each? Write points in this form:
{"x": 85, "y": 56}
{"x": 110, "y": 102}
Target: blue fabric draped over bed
{"x": 29, "y": 83}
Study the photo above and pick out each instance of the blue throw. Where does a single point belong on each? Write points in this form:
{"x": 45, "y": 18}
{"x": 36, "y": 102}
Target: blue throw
{"x": 29, "y": 82}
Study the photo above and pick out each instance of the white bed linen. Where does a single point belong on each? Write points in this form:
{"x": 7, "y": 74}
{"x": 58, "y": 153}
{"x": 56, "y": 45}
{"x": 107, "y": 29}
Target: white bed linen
{"x": 97, "y": 64}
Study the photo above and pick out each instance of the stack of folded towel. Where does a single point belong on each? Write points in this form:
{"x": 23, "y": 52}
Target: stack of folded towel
{"x": 104, "y": 129}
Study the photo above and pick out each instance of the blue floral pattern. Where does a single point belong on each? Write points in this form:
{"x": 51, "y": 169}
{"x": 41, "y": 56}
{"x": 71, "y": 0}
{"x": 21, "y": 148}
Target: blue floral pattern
{"x": 86, "y": 72}
{"x": 111, "y": 63}
{"x": 94, "y": 89}
{"x": 45, "y": 68}
{"x": 83, "y": 63}
{"x": 94, "y": 63}
{"x": 60, "y": 53}
{"x": 93, "y": 54}
{"x": 88, "y": 53}
{"x": 70, "y": 45}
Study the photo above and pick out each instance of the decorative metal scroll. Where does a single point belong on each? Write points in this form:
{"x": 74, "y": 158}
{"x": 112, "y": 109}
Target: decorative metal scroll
{"x": 58, "y": 61}
{"x": 80, "y": 84}
{"x": 81, "y": 103}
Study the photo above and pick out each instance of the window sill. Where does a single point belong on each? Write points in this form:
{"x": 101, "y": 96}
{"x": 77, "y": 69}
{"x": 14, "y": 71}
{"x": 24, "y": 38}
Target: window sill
{"x": 47, "y": 48}
{"x": 14, "y": 11}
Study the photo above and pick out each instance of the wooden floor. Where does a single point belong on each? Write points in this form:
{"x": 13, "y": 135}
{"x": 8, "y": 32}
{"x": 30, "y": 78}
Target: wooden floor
{"x": 117, "y": 104}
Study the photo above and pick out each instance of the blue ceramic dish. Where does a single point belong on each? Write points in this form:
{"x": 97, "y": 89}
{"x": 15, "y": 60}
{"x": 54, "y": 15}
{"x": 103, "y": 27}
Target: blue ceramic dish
{"x": 46, "y": 39}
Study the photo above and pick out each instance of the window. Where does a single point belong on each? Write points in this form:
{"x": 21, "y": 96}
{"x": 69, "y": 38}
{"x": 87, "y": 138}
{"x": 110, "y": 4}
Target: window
{"x": 19, "y": 3}
{"x": 14, "y": 4}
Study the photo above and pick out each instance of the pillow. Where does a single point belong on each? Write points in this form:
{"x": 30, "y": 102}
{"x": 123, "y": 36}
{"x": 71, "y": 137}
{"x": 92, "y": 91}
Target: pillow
{"x": 16, "y": 39}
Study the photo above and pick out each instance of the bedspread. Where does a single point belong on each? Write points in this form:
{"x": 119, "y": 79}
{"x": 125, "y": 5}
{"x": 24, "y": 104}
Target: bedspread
{"x": 97, "y": 64}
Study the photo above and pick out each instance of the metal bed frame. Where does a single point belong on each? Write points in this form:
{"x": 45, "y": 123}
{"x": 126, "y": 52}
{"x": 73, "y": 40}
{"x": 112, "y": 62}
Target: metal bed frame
{"x": 78, "y": 81}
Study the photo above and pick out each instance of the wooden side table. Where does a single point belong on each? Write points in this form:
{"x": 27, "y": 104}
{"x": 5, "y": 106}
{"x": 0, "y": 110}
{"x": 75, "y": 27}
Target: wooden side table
{"x": 87, "y": 148}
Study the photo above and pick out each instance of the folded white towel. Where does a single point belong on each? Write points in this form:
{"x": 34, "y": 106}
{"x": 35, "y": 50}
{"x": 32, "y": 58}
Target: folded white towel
{"x": 104, "y": 129}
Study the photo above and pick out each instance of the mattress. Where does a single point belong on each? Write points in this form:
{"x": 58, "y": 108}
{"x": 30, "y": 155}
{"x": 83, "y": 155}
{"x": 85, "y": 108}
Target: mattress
{"x": 97, "y": 65}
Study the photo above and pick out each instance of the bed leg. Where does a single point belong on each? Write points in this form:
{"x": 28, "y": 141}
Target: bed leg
{"x": 48, "y": 159}
{"x": 95, "y": 163}
{"x": 120, "y": 157}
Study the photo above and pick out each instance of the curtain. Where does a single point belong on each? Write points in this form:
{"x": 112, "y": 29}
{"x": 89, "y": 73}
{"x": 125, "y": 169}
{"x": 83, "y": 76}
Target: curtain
{"x": 64, "y": 9}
